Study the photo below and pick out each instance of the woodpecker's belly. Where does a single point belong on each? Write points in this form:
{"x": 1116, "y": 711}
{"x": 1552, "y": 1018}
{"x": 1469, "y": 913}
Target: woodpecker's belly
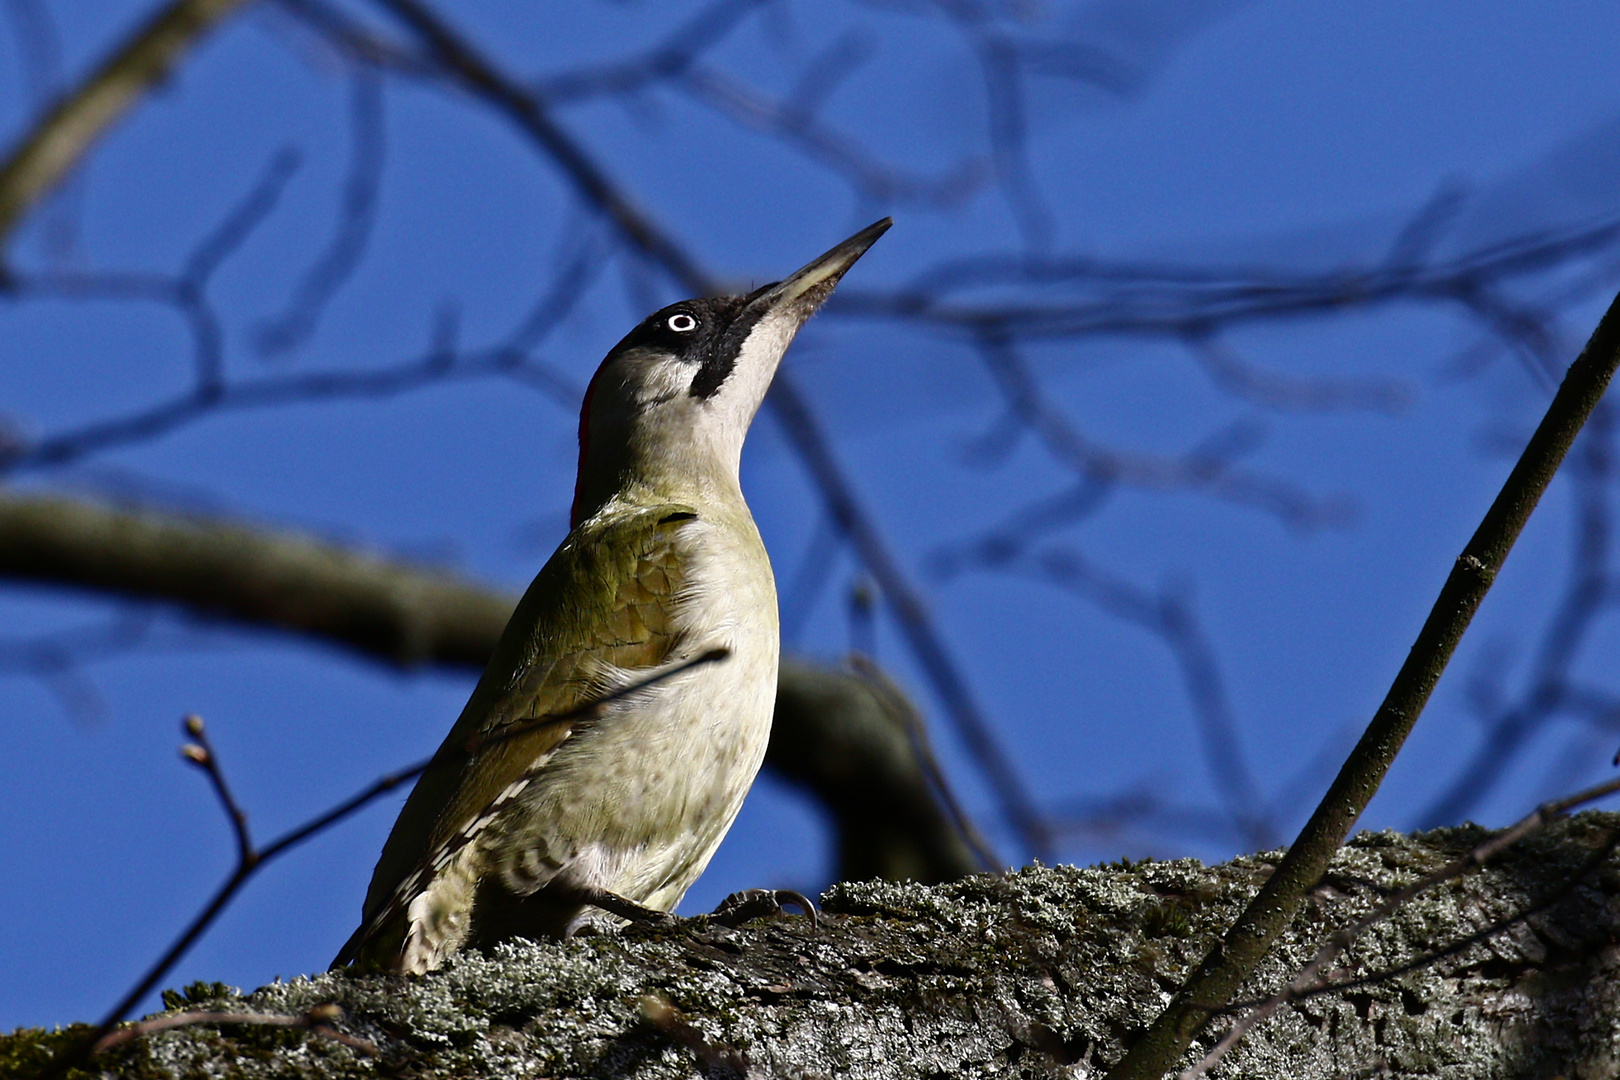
{"x": 637, "y": 802}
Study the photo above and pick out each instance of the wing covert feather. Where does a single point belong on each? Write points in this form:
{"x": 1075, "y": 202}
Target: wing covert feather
{"x": 602, "y": 602}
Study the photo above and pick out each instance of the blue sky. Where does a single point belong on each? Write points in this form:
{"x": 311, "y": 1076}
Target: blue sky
{"x": 1296, "y": 137}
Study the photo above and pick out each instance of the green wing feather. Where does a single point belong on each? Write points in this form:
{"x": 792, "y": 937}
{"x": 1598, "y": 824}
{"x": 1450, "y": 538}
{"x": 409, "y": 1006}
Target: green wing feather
{"x": 602, "y": 602}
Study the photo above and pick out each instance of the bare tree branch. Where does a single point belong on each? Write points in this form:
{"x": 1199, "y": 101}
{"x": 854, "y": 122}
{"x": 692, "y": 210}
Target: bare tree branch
{"x": 850, "y": 740}
{"x": 1207, "y": 468}
{"x": 855, "y": 742}
{"x": 1168, "y": 615}
{"x": 379, "y": 607}
{"x": 1028, "y": 298}
{"x": 356, "y": 215}
{"x": 1549, "y": 688}
{"x": 57, "y": 143}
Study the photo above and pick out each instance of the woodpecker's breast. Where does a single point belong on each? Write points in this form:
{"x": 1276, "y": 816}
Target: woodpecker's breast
{"x": 637, "y": 802}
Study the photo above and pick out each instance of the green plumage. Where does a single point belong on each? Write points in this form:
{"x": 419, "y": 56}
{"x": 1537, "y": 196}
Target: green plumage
{"x": 602, "y": 603}
{"x": 620, "y": 811}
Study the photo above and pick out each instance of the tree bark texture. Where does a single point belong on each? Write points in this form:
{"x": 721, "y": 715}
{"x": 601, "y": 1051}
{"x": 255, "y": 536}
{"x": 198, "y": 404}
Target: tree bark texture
{"x": 1037, "y": 973}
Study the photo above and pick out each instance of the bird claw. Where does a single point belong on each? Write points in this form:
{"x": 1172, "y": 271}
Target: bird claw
{"x": 740, "y": 907}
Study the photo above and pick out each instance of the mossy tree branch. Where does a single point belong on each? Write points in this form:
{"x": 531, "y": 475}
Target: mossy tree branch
{"x": 1043, "y": 973}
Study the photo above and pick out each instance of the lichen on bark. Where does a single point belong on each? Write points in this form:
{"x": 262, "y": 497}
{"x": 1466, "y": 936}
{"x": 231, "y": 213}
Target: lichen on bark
{"x": 1043, "y": 972}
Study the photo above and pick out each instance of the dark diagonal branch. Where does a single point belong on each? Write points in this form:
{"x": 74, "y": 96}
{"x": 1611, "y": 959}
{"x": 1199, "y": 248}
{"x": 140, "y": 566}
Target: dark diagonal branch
{"x": 1550, "y": 688}
{"x": 477, "y": 75}
{"x": 1312, "y": 979}
{"x": 40, "y": 48}
{"x": 1242, "y": 948}
{"x": 974, "y": 728}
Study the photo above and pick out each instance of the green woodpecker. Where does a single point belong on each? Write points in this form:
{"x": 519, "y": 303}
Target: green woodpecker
{"x": 528, "y": 836}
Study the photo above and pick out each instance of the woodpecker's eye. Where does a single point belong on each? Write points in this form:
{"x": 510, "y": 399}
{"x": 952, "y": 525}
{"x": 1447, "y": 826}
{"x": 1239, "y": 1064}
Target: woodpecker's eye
{"x": 682, "y": 323}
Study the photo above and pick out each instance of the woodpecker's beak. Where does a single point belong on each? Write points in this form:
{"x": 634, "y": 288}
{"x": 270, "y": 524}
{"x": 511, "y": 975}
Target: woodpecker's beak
{"x": 803, "y": 291}
{"x": 745, "y": 358}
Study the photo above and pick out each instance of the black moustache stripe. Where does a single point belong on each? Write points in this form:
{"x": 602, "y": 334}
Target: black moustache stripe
{"x": 718, "y": 365}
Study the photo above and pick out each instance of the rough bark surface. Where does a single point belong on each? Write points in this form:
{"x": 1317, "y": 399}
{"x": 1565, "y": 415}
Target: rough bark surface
{"x": 1037, "y": 973}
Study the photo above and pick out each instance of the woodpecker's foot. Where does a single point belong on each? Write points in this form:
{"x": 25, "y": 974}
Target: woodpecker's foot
{"x": 740, "y": 907}
{"x": 614, "y": 904}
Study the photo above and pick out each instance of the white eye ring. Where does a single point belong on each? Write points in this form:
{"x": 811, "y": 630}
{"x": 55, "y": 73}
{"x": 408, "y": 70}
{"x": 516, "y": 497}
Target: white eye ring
{"x": 682, "y": 323}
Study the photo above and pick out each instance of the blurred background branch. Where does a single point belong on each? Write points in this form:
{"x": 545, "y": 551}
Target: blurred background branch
{"x": 68, "y": 130}
{"x": 848, "y": 736}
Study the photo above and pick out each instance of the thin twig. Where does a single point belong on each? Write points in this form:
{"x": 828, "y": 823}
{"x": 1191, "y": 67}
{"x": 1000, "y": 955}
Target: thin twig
{"x": 916, "y": 625}
{"x": 57, "y": 659}
{"x": 1207, "y": 468}
{"x": 317, "y": 1021}
{"x": 1168, "y": 615}
{"x": 1235, "y": 957}
{"x": 254, "y": 860}
{"x": 202, "y": 754}
{"x": 357, "y": 214}
{"x": 1597, "y": 858}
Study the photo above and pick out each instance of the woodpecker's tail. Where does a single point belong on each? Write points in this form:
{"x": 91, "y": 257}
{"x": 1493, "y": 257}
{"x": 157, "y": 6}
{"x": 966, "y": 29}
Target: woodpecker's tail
{"x": 373, "y": 947}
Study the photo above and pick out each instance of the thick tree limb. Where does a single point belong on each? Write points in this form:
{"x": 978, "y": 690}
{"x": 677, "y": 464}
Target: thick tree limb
{"x": 55, "y": 145}
{"x": 383, "y": 609}
{"x": 1242, "y": 949}
{"x": 837, "y": 734}
{"x": 1040, "y": 973}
